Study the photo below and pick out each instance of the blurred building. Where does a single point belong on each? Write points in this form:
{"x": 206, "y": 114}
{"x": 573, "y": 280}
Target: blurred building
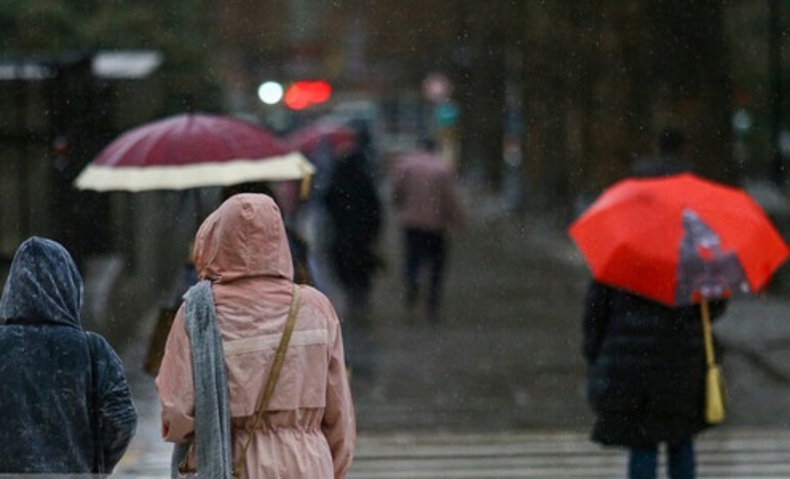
{"x": 58, "y": 112}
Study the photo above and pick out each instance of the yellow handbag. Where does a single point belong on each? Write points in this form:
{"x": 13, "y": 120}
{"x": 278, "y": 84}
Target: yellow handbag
{"x": 714, "y": 381}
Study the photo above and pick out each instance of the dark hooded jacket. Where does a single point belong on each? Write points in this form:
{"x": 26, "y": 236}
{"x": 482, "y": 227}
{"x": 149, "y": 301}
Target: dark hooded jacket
{"x": 646, "y": 367}
{"x": 53, "y": 419}
{"x": 354, "y": 207}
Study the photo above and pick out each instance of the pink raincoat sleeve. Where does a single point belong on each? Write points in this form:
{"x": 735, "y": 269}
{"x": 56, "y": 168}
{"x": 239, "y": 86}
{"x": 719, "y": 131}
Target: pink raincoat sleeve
{"x": 174, "y": 383}
{"x": 339, "y": 424}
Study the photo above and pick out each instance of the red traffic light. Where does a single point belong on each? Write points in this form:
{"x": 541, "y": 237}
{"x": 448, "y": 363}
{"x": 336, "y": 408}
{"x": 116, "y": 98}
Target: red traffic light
{"x": 304, "y": 93}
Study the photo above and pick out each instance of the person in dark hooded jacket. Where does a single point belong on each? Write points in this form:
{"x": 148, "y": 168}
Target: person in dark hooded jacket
{"x": 66, "y": 406}
{"x": 354, "y": 210}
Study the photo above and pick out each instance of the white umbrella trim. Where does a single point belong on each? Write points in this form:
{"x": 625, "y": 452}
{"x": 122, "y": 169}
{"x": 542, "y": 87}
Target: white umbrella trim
{"x": 292, "y": 166}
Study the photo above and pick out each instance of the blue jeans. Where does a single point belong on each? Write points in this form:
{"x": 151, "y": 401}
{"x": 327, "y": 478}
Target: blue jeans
{"x": 643, "y": 462}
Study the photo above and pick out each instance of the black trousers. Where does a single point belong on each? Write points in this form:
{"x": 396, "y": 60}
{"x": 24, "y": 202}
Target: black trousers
{"x": 424, "y": 249}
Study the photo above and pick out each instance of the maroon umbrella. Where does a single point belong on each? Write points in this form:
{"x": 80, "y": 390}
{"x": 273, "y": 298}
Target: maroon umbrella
{"x": 189, "y": 151}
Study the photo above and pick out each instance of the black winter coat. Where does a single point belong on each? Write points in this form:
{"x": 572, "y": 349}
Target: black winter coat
{"x": 646, "y": 368}
{"x": 353, "y": 204}
{"x": 51, "y": 419}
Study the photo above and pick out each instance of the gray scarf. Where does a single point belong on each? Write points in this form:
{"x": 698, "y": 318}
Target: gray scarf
{"x": 212, "y": 414}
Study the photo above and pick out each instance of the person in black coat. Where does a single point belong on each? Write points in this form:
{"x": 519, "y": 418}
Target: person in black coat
{"x": 646, "y": 377}
{"x": 354, "y": 209}
{"x": 66, "y": 406}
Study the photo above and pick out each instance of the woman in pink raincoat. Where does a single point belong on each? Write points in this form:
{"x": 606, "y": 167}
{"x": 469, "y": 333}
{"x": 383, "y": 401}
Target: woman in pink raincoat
{"x": 309, "y": 428}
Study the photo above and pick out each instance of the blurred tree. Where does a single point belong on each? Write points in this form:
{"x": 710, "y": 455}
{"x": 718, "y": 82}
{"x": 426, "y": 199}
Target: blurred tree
{"x": 78, "y": 113}
{"x": 599, "y": 78}
{"x": 481, "y": 79}
{"x": 692, "y": 84}
{"x": 547, "y": 58}
{"x": 465, "y": 39}
{"x": 602, "y": 78}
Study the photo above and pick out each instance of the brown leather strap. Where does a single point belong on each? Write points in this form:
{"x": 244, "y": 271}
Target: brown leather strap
{"x": 274, "y": 373}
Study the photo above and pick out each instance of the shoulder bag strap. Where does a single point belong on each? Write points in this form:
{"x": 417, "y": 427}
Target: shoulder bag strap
{"x": 274, "y": 373}
{"x": 714, "y": 385}
{"x": 710, "y": 358}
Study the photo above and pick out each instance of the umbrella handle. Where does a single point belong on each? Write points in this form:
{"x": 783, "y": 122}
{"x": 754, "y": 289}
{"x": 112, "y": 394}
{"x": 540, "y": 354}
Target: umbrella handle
{"x": 304, "y": 189}
{"x": 706, "y": 331}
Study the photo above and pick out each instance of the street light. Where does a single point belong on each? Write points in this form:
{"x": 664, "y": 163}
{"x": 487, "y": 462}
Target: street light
{"x": 270, "y": 92}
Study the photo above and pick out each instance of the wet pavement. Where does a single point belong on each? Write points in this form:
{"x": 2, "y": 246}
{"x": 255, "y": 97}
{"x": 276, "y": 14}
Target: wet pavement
{"x": 504, "y": 359}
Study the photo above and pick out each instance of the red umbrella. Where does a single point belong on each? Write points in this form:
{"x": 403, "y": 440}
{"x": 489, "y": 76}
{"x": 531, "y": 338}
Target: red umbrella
{"x": 679, "y": 239}
{"x": 308, "y": 139}
{"x": 189, "y": 151}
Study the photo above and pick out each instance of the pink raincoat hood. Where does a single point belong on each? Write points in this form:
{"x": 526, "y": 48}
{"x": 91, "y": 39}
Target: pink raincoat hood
{"x": 244, "y": 237}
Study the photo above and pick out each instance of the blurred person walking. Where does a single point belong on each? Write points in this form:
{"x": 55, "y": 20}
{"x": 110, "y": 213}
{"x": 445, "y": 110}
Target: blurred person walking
{"x": 270, "y": 396}
{"x": 354, "y": 208}
{"x": 428, "y": 206}
{"x": 355, "y": 212}
{"x": 66, "y": 406}
{"x": 646, "y": 377}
